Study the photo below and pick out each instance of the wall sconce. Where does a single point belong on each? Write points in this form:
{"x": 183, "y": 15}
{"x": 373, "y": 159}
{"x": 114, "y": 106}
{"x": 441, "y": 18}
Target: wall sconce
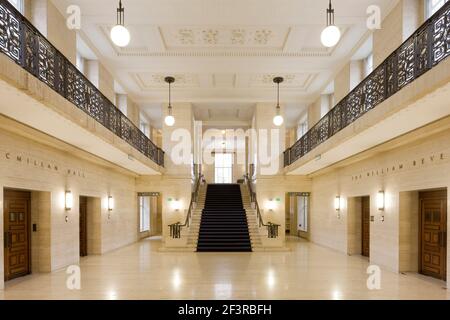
{"x": 110, "y": 203}
{"x": 176, "y": 205}
{"x": 271, "y": 205}
{"x": 68, "y": 201}
{"x": 380, "y": 200}
{"x": 337, "y": 203}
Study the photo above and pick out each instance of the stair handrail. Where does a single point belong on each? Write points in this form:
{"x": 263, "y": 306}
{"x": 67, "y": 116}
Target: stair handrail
{"x": 175, "y": 228}
{"x": 272, "y": 228}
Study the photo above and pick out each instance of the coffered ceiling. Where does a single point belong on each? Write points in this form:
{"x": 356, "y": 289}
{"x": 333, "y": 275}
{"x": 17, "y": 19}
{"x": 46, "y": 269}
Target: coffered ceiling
{"x": 223, "y": 52}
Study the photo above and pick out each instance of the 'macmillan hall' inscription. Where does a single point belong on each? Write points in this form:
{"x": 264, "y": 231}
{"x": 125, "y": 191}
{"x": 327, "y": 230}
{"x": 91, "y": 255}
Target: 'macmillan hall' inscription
{"x": 19, "y": 158}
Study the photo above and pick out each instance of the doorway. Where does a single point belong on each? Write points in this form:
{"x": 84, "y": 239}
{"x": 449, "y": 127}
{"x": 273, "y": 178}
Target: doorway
{"x": 297, "y": 214}
{"x": 83, "y": 226}
{"x": 433, "y": 233}
{"x": 16, "y": 224}
{"x": 365, "y": 226}
{"x": 223, "y": 168}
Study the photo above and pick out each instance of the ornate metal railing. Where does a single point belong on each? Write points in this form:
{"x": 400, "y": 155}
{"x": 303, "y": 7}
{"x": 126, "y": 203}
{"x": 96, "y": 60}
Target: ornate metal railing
{"x": 25, "y": 45}
{"x": 425, "y": 49}
{"x": 272, "y": 228}
{"x": 175, "y": 228}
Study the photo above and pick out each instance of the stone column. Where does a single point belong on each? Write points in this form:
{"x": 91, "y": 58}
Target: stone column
{"x": 402, "y": 21}
{"x": 176, "y": 184}
{"x": 101, "y": 78}
{"x": 52, "y": 24}
{"x": 269, "y": 176}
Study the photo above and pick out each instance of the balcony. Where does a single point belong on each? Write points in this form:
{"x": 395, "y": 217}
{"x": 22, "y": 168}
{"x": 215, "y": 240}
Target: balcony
{"x": 428, "y": 47}
{"x": 21, "y": 42}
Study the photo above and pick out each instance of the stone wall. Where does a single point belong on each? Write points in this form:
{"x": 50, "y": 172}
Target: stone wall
{"x": 401, "y": 173}
{"x": 49, "y": 172}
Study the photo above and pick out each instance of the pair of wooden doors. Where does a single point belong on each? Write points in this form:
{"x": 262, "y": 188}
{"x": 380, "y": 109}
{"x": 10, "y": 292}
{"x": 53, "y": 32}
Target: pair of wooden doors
{"x": 16, "y": 226}
{"x": 83, "y": 226}
{"x": 365, "y": 226}
{"x": 433, "y": 234}
{"x": 17, "y": 232}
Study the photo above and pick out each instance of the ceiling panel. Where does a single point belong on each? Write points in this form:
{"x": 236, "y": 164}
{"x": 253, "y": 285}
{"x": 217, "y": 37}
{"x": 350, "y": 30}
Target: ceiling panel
{"x": 248, "y": 37}
{"x": 223, "y": 51}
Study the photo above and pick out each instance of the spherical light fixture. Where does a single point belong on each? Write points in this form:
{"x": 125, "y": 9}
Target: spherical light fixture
{"x": 170, "y": 119}
{"x": 278, "y": 119}
{"x": 119, "y": 34}
{"x": 331, "y": 34}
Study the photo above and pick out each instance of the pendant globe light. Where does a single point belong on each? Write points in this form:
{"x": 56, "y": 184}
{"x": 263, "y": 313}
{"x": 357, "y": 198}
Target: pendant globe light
{"x": 331, "y": 34}
{"x": 170, "y": 119}
{"x": 119, "y": 34}
{"x": 278, "y": 119}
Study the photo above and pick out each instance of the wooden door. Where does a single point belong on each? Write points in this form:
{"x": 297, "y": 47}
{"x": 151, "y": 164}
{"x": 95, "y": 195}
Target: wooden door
{"x": 433, "y": 234}
{"x": 16, "y": 220}
{"x": 365, "y": 228}
{"x": 83, "y": 226}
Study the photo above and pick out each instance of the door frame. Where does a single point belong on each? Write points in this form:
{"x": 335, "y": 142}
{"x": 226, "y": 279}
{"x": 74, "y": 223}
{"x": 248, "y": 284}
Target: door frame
{"x": 86, "y": 199}
{"x": 28, "y": 229}
{"x": 420, "y": 264}
{"x": 363, "y": 198}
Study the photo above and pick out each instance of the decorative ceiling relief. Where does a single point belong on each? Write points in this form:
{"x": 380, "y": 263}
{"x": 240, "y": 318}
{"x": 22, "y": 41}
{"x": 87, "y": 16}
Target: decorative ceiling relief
{"x": 262, "y": 37}
{"x": 186, "y": 36}
{"x": 238, "y": 36}
{"x": 299, "y": 81}
{"x": 210, "y": 36}
{"x": 225, "y": 37}
{"x": 147, "y": 81}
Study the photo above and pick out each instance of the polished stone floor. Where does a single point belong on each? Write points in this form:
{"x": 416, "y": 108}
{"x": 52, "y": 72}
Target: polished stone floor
{"x": 140, "y": 271}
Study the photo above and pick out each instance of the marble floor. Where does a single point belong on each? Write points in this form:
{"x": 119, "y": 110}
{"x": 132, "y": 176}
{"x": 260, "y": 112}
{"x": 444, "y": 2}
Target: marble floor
{"x": 308, "y": 271}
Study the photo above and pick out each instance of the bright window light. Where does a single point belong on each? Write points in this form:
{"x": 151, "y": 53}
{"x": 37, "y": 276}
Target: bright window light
{"x": 144, "y": 213}
{"x": 380, "y": 200}
{"x": 433, "y": 6}
{"x": 18, "y": 4}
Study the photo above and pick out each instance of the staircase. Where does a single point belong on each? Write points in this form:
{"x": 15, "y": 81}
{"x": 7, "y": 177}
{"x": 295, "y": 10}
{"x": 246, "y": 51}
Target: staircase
{"x": 192, "y": 232}
{"x": 223, "y": 226}
{"x": 252, "y": 219}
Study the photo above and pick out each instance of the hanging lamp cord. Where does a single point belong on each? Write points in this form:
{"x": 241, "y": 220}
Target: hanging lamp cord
{"x": 278, "y": 95}
{"x": 170, "y": 99}
{"x": 330, "y": 15}
{"x": 120, "y": 14}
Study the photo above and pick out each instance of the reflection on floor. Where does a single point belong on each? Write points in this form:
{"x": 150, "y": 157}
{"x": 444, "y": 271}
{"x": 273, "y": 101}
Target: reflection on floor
{"x": 309, "y": 271}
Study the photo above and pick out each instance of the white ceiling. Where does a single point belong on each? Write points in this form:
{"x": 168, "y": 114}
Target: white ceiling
{"x": 224, "y": 52}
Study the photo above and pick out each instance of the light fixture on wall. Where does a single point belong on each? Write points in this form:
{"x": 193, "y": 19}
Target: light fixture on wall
{"x": 271, "y": 205}
{"x": 170, "y": 120}
{"x": 331, "y": 34}
{"x": 337, "y": 203}
{"x": 176, "y": 205}
{"x": 110, "y": 203}
{"x": 119, "y": 34}
{"x": 278, "y": 119}
{"x": 68, "y": 200}
{"x": 380, "y": 200}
